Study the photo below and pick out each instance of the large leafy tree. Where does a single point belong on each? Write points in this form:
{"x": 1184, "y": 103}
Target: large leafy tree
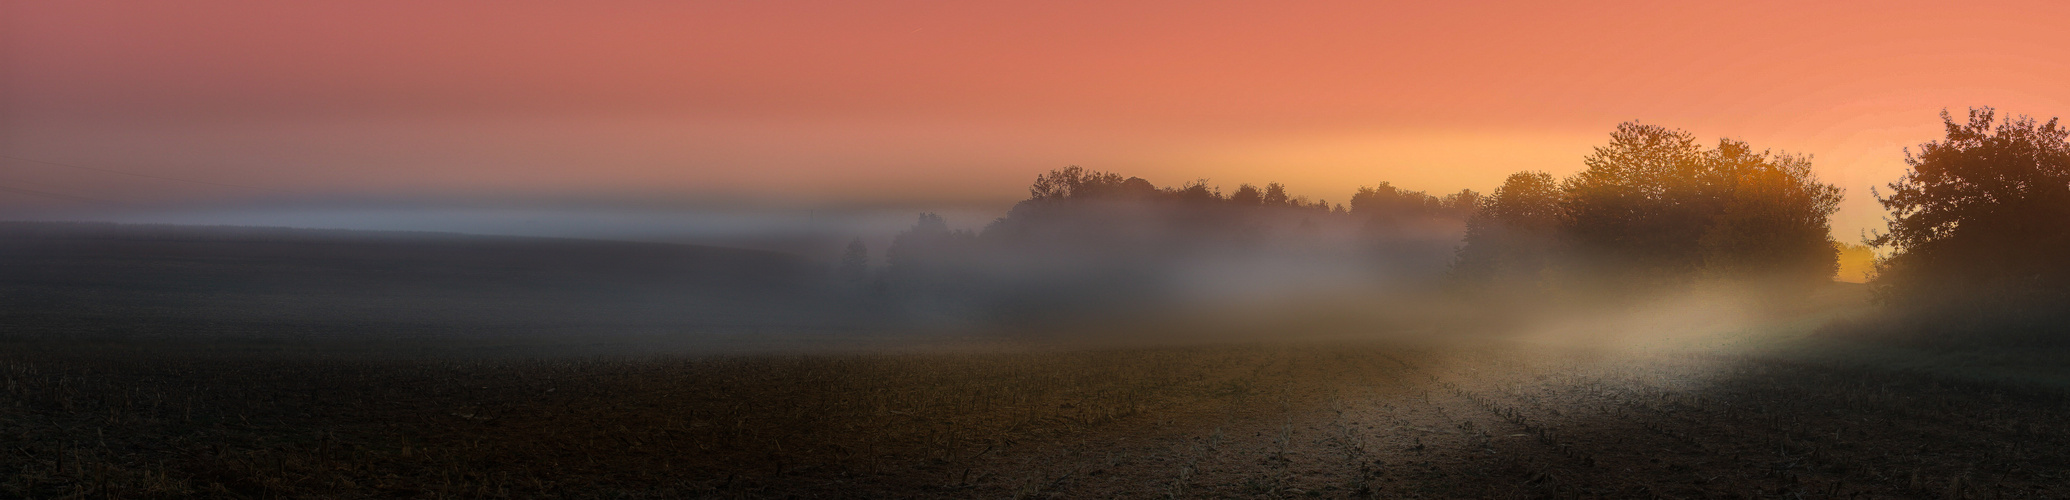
{"x": 1638, "y": 211}
{"x": 1983, "y": 215}
{"x": 1773, "y": 222}
{"x": 1655, "y": 207}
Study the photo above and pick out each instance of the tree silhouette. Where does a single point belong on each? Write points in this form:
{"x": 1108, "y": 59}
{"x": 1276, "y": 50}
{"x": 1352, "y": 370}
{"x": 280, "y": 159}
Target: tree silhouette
{"x": 1982, "y": 217}
{"x": 1636, "y": 213}
{"x": 1275, "y": 195}
{"x": 930, "y": 256}
{"x": 1200, "y": 192}
{"x": 1075, "y": 182}
{"x": 1461, "y": 203}
{"x": 855, "y": 263}
{"x": 1654, "y": 208}
{"x": 1511, "y": 237}
{"x": 1773, "y": 224}
{"x": 1247, "y": 195}
{"x": 1086, "y": 241}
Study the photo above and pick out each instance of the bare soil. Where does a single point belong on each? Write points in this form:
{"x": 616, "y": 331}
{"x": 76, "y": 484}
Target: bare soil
{"x": 1317, "y": 419}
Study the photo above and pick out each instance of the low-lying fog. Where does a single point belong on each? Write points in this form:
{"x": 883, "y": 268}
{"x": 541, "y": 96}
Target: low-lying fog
{"x": 815, "y": 232}
{"x": 1087, "y": 255}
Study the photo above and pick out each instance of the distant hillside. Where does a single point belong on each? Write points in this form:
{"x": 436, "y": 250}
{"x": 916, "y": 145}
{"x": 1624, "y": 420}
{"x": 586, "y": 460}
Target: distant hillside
{"x": 115, "y": 279}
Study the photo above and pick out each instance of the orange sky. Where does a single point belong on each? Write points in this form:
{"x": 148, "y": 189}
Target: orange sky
{"x": 964, "y": 102}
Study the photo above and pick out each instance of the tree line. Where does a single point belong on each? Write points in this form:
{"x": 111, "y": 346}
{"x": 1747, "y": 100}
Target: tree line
{"x": 1655, "y": 207}
{"x": 1982, "y": 219}
{"x": 1978, "y": 236}
{"x": 1086, "y": 241}
{"x": 1979, "y": 225}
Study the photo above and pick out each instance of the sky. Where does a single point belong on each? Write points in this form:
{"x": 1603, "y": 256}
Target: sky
{"x": 151, "y": 108}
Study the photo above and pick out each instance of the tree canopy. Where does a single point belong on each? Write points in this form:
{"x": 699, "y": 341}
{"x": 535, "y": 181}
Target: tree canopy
{"x": 1655, "y": 207}
{"x": 1510, "y": 237}
{"x": 1982, "y": 216}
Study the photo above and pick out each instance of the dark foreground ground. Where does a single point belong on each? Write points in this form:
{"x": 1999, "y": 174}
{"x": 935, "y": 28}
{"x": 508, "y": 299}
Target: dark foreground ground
{"x": 1319, "y": 419}
{"x": 151, "y": 362}
{"x": 91, "y": 280}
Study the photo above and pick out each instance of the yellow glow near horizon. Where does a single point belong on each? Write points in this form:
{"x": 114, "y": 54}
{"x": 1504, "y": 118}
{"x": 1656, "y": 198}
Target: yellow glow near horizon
{"x": 932, "y": 103}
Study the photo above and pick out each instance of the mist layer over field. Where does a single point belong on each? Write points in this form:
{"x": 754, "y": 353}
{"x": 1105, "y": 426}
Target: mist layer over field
{"x": 1662, "y": 324}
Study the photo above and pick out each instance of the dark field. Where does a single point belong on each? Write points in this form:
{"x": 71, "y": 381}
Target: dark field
{"x": 1242, "y": 421}
{"x": 379, "y": 371}
{"x": 71, "y": 281}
